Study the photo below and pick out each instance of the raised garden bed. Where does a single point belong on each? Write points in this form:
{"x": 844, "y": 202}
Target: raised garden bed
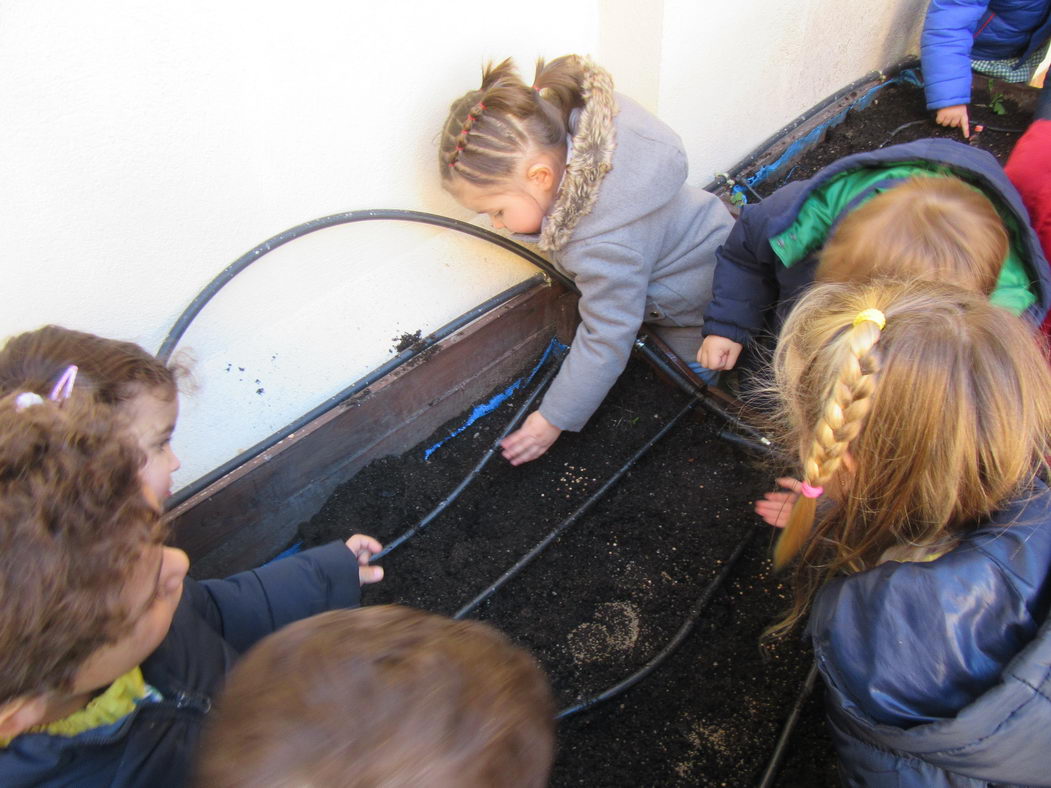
{"x": 614, "y": 589}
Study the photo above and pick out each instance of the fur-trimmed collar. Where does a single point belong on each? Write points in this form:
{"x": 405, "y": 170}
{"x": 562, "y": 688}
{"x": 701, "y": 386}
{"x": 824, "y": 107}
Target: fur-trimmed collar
{"x": 593, "y": 144}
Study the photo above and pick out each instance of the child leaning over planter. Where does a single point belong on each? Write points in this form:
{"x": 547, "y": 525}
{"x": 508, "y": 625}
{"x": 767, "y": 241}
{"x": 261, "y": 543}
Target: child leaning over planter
{"x": 922, "y": 414}
{"x": 144, "y": 726}
{"x": 449, "y": 704}
{"x": 600, "y": 184}
{"x": 1006, "y": 39}
{"x": 933, "y": 208}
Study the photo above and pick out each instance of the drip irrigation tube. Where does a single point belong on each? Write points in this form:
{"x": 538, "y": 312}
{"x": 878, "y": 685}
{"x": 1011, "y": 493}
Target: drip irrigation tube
{"x": 786, "y": 731}
{"x": 490, "y": 452}
{"x": 701, "y": 394}
{"x": 350, "y": 217}
{"x": 525, "y": 560}
{"x": 402, "y": 358}
{"x": 680, "y": 636}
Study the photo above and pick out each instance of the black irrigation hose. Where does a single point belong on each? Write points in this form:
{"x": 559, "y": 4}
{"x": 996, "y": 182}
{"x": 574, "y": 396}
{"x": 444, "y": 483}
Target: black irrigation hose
{"x": 680, "y": 636}
{"x": 902, "y": 127}
{"x": 350, "y": 217}
{"x": 786, "y": 731}
{"x": 490, "y": 452}
{"x": 338, "y": 398}
{"x": 525, "y": 560}
{"x": 747, "y": 443}
{"x": 700, "y": 394}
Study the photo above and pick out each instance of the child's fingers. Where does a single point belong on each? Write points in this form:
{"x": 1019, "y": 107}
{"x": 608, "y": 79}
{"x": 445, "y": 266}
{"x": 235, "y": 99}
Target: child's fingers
{"x": 774, "y": 513}
{"x": 789, "y": 483}
{"x": 370, "y": 574}
{"x": 362, "y": 545}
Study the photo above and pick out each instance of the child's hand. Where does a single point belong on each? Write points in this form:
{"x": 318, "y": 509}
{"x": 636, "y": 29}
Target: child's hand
{"x": 718, "y": 352}
{"x": 364, "y": 547}
{"x": 776, "y": 507}
{"x": 955, "y": 115}
{"x": 531, "y": 440}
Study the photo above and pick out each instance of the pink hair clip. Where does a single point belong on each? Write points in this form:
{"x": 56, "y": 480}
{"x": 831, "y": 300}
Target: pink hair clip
{"x": 811, "y": 492}
{"x": 64, "y": 385}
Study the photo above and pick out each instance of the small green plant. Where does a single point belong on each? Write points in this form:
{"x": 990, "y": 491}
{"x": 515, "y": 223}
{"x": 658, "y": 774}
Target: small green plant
{"x": 737, "y": 198}
{"x": 996, "y": 100}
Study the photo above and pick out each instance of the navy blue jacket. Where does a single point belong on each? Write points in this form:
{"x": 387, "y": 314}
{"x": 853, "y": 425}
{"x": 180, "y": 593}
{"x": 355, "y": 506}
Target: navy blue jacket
{"x": 939, "y": 673}
{"x": 753, "y": 291}
{"x": 214, "y": 623}
{"x": 958, "y": 31}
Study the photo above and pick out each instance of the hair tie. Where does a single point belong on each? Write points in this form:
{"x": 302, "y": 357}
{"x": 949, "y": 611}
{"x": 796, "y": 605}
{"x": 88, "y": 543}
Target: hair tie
{"x": 536, "y": 89}
{"x": 871, "y": 316}
{"x": 481, "y": 106}
{"x": 64, "y": 385}
{"x": 811, "y": 492}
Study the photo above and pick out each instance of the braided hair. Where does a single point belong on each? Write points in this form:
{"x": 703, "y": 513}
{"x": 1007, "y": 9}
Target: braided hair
{"x": 920, "y": 428}
{"x": 489, "y": 130}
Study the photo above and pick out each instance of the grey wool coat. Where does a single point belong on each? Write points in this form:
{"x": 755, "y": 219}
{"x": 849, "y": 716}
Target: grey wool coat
{"x": 637, "y": 240}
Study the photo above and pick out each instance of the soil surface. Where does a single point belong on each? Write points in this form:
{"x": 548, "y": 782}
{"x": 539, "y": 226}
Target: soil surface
{"x": 614, "y": 588}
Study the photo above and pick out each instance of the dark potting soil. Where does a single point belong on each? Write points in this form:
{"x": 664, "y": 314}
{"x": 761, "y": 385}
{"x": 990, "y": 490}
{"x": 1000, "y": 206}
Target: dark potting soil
{"x": 609, "y": 593}
{"x": 898, "y": 114}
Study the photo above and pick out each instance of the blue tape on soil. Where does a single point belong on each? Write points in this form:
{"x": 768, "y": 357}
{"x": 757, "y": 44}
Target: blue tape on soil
{"x": 497, "y": 400}
{"x": 907, "y": 76}
{"x": 286, "y": 552}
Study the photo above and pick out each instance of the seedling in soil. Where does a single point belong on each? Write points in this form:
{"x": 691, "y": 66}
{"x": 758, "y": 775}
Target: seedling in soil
{"x": 996, "y": 100}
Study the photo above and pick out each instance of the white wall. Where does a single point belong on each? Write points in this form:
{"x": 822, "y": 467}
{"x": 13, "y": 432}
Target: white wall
{"x": 144, "y": 146}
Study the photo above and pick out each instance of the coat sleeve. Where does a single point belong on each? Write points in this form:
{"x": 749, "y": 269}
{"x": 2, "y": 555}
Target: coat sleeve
{"x": 945, "y": 50}
{"x": 612, "y": 279}
{"x": 746, "y": 285}
{"x": 250, "y": 605}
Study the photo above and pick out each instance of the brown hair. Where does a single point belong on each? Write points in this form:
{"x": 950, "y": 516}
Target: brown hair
{"x": 73, "y": 525}
{"x": 382, "y": 696}
{"x": 945, "y": 414}
{"x": 113, "y": 371}
{"x": 489, "y": 130}
{"x": 929, "y": 227}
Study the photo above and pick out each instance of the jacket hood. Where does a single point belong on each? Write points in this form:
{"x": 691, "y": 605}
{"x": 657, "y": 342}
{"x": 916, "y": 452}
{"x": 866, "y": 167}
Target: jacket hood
{"x": 594, "y": 140}
{"x": 972, "y": 165}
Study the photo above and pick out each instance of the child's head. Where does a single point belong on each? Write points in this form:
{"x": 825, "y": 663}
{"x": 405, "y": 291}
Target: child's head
{"x": 88, "y": 588}
{"x": 929, "y": 227}
{"x": 382, "y": 695}
{"x": 120, "y": 374}
{"x": 916, "y": 429}
{"x": 503, "y": 146}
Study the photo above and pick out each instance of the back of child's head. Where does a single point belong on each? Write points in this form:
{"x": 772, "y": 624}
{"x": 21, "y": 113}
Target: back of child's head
{"x": 918, "y": 429}
{"x": 928, "y": 227}
{"x": 113, "y": 371}
{"x": 74, "y": 523}
{"x": 382, "y": 696}
{"x": 491, "y": 129}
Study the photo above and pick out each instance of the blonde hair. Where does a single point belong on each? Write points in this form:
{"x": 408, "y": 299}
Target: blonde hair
{"x": 929, "y": 227}
{"x": 489, "y": 130}
{"x": 944, "y": 414}
{"x": 438, "y": 702}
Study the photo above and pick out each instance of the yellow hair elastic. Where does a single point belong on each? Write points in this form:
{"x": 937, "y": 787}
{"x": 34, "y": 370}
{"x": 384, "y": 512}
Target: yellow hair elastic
{"x": 871, "y": 316}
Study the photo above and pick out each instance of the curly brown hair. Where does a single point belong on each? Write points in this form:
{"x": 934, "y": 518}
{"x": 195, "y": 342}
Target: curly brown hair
{"x": 383, "y": 695}
{"x": 73, "y": 526}
{"x": 113, "y": 371}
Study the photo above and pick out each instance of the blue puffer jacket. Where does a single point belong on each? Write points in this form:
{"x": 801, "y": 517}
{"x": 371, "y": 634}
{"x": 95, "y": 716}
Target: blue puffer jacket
{"x": 939, "y": 673}
{"x": 215, "y": 622}
{"x": 753, "y": 290}
{"x": 958, "y": 31}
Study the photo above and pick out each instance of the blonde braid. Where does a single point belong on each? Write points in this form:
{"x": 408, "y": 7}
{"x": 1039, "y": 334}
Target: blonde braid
{"x": 841, "y": 420}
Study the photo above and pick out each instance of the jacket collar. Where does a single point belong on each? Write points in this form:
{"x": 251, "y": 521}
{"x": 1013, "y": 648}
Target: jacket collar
{"x": 593, "y": 143}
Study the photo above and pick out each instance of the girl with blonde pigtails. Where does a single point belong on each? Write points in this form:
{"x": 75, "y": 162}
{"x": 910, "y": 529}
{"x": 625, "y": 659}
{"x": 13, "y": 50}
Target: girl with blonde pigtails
{"x": 921, "y": 543}
{"x": 600, "y": 185}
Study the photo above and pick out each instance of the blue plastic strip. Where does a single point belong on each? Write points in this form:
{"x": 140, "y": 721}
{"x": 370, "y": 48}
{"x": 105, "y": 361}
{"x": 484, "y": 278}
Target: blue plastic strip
{"x": 907, "y": 76}
{"x": 295, "y": 548}
{"x": 498, "y": 399}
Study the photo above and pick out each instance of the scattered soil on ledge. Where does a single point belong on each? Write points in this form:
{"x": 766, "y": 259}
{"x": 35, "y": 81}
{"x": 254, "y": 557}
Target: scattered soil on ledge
{"x": 615, "y": 587}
